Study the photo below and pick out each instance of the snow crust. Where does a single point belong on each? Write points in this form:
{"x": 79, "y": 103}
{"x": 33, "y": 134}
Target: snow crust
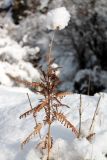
{"x": 13, "y": 102}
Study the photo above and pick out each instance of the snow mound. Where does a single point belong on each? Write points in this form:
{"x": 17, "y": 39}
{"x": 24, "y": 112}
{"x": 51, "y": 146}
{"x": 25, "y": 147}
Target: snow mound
{"x": 13, "y": 102}
{"x": 14, "y": 60}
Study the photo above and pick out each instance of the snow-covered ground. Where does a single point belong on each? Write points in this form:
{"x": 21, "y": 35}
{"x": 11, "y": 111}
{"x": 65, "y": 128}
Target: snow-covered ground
{"x": 13, "y": 102}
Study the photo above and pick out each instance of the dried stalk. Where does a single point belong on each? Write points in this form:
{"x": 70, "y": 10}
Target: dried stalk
{"x": 51, "y": 103}
{"x": 33, "y": 114}
{"x": 80, "y": 116}
{"x": 95, "y": 113}
{"x": 49, "y": 94}
{"x": 50, "y": 49}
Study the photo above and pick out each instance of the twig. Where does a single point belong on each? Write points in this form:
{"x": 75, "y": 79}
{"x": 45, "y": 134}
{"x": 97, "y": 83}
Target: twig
{"x": 80, "y": 116}
{"x": 94, "y": 116}
{"x": 33, "y": 115}
{"x": 49, "y": 93}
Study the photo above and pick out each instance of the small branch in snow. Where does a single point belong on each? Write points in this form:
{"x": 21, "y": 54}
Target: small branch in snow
{"x": 95, "y": 113}
{"x": 33, "y": 115}
{"x": 80, "y": 116}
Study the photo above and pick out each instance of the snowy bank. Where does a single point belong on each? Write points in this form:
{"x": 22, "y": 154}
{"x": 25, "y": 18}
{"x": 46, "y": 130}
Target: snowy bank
{"x": 15, "y": 60}
{"x": 13, "y": 102}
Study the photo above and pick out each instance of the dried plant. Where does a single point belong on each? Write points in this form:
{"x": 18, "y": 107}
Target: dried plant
{"x": 51, "y": 104}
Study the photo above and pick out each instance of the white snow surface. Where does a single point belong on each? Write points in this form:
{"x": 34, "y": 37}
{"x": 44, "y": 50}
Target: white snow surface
{"x": 13, "y": 102}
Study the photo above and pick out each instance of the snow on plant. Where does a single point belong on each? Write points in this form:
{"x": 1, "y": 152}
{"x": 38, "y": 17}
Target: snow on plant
{"x": 51, "y": 103}
{"x": 58, "y": 18}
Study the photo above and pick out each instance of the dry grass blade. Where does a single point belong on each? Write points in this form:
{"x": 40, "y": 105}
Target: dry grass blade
{"x": 62, "y": 118}
{"x": 35, "y": 132}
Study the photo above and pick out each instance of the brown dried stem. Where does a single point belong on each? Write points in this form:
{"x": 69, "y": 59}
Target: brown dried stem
{"x": 80, "y": 116}
{"x": 51, "y": 103}
{"x": 33, "y": 114}
{"x": 95, "y": 113}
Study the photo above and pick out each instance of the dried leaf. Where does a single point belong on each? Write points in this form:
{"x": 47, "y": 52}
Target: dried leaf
{"x": 35, "y": 132}
{"x": 38, "y": 128}
{"x": 60, "y": 117}
{"x": 62, "y": 94}
{"x": 34, "y": 110}
{"x": 44, "y": 143}
{"x": 36, "y": 84}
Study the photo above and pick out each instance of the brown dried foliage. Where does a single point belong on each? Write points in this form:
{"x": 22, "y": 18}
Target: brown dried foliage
{"x": 62, "y": 118}
{"x": 90, "y": 136}
{"x": 44, "y": 143}
{"x": 37, "y": 129}
{"x": 51, "y": 104}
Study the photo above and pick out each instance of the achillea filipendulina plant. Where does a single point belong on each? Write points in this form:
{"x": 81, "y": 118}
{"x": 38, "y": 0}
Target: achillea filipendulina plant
{"x": 51, "y": 103}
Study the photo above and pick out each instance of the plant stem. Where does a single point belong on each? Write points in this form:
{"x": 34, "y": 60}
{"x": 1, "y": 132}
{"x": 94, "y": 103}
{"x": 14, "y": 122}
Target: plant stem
{"x": 33, "y": 115}
{"x": 49, "y": 95}
{"x": 93, "y": 119}
{"x": 49, "y": 124}
{"x": 80, "y": 114}
{"x": 49, "y": 138}
{"x": 50, "y": 48}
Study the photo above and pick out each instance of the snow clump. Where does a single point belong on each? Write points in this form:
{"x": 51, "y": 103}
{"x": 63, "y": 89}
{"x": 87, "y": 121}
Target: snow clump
{"x": 58, "y": 18}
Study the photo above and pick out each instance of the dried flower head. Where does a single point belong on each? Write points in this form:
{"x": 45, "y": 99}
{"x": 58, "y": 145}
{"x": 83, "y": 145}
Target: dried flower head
{"x": 58, "y": 18}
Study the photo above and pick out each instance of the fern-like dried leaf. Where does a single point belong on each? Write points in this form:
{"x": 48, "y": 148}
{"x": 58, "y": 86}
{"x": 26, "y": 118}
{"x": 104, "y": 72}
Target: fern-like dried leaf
{"x": 37, "y": 84}
{"x": 38, "y": 127}
{"x": 62, "y": 118}
{"x": 24, "y": 115}
{"x": 34, "y": 110}
{"x": 36, "y": 131}
{"x": 40, "y": 106}
{"x": 62, "y": 94}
